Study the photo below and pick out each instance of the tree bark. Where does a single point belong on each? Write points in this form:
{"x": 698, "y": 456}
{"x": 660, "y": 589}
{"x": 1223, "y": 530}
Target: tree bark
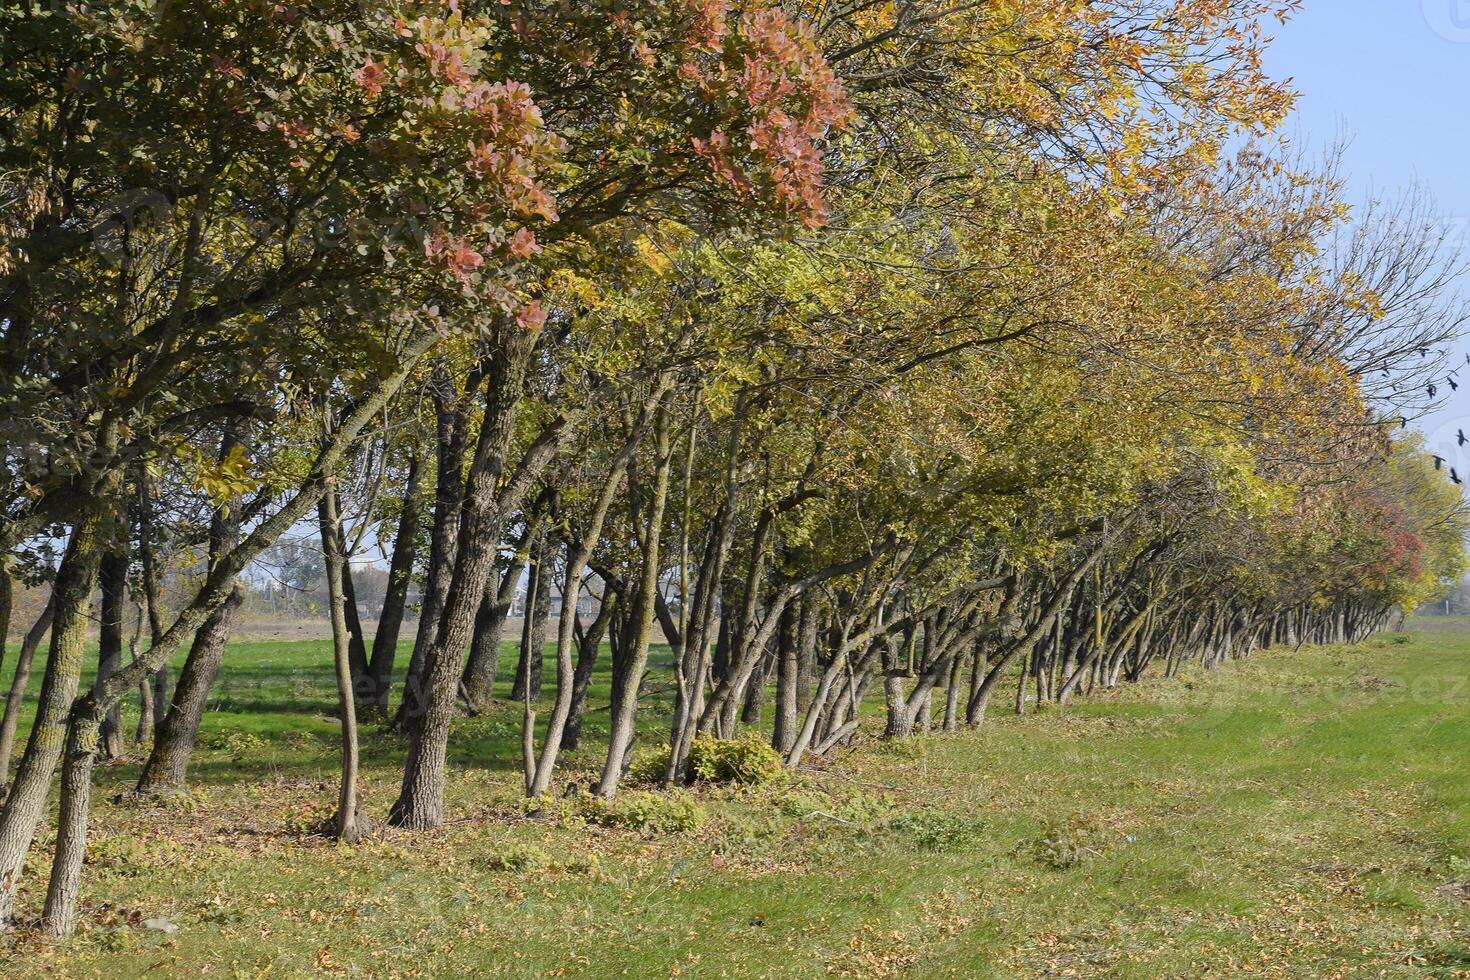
{"x": 490, "y": 495}
{"x": 113, "y": 579}
{"x": 349, "y": 824}
{"x": 395, "y": 599}
{"x": 356, "y": 645}
{"x": 71, "y": 594}
{"x": 630, "y": 677}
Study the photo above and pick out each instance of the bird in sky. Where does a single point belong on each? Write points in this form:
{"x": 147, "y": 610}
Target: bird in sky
{"x": 1456, "y": 477}
{"x": 1433, "y": 391}
{"x": 1439, "y": 462}
{"x": 1460, "y": 436}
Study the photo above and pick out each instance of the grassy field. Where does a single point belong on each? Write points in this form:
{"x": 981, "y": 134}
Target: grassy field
{"x": 1296, "y": 815}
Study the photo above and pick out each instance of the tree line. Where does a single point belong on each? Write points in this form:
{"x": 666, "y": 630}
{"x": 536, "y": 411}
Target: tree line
{"x": 860, "y": 350}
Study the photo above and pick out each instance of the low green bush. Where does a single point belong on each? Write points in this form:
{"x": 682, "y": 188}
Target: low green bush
{"x": 748, "y": 760}
{"x": 648, "y": 766}
{"x": 937, "y": 830}
{"x": 520, "y": 858}
{"x": 652, "y": 813}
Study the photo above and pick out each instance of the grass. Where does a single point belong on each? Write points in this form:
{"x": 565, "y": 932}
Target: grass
{"x": 1295, "y": 815}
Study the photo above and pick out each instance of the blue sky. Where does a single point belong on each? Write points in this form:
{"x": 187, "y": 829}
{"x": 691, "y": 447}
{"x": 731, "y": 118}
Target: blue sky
{"x": 1391, "y": 77}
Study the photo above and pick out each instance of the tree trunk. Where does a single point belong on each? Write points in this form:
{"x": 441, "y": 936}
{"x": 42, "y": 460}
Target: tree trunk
{"x": 420, "y": 801}
{"x": 783, "y": 735}
{"x": 18, "y": 684}
{"x": 166, "y": 771}
{"x": 630, "y": 677}
{"x": 71, "y": 594}
{"x": 589, "y": 643}
{"x": 7, "y": 599}
{"x": 952, "y": 695}
{"x": 349, "y": 824}
{"x": 113, "y": 579}
{"x": 481, "y": 670}
{"x": 443, "y": 547}
{"x": 64, "y": 887}
{"x": 395, "y": 598}
{"x": 356, "y": 645}
{"x": 152, "y": 597}
{"x": 527, "y": 681}
{"x": 145, "y": 688}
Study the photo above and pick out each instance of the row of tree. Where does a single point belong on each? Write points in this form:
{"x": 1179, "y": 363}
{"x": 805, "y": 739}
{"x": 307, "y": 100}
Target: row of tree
{"x": 849, "y": 345}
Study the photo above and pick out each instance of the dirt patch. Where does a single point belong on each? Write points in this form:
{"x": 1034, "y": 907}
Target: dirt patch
{"x": 1455, "y": 891}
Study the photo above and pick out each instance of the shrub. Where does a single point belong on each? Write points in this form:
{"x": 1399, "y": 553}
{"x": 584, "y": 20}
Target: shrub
{"x": 581, "y": 863}
{"x": 120, "y": 854}
{"x": 647, "y": 767}
{"x": 913, "y": 747}
{"x": 937, "y": 830}
{"x": 749, "y": 836}
{"x": 856, "y": 808}
{"x": 748, "y": 760}
{"x": 520, "y": 858}
{"x": 651, "y": 813}
{"x": 238, "y": 744}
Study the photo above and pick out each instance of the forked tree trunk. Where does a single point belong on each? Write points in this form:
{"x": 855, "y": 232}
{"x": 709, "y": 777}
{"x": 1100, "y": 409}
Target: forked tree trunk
{"x": 490, "y": 493}
{"x": 539, "y": 770}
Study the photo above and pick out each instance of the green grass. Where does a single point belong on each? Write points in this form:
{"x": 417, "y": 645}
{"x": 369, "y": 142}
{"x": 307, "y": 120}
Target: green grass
{"x": 1293, "y": 815}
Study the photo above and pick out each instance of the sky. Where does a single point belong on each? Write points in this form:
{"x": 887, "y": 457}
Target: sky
{"x": 1392, "y": 79}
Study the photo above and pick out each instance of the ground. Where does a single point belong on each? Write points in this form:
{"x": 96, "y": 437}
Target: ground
{"x": 1298, "y": 814}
